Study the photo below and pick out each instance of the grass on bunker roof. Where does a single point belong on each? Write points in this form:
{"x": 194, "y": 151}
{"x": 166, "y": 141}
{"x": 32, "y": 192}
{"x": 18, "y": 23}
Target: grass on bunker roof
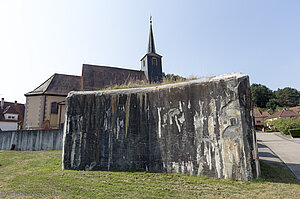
{"x": 38, "y": 174}
{"x": 167, "y": 79}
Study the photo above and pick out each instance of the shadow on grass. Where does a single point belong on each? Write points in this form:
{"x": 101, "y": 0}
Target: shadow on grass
{"x": 276, "y": 173}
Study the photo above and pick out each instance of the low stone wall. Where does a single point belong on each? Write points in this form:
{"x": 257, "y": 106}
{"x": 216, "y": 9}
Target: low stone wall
{"x": 201, "y": 127}
{"x": 31, "y": 140}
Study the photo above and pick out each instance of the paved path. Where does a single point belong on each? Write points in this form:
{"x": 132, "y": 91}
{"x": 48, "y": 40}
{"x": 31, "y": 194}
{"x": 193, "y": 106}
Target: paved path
{"x": 275, "y": 147}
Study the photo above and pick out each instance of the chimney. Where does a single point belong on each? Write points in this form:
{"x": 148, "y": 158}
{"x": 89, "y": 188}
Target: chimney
{"x": 2, "y": 103}
{"x": 16, "y": 102}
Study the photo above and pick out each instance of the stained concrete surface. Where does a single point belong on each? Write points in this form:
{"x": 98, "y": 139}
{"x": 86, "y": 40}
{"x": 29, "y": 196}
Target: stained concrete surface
{"x": 31, "y": 140}
{"x": 274, "y": 147}
{"x": 200, "y": 127}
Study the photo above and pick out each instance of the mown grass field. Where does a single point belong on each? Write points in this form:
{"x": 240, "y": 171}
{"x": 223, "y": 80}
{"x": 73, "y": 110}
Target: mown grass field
{"x": 37, "y": 174}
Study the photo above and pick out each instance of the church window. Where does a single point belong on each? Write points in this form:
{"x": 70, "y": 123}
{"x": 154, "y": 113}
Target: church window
{"x": 154, "y": 61}
{"x": 54, "y": 108}
{"x": 144, "y": 62}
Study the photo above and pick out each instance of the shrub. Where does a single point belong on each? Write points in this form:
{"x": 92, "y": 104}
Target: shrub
{"x": 295, "y": 132}
{"x": 284, "y": 124}
{"x": 271, "y": 130}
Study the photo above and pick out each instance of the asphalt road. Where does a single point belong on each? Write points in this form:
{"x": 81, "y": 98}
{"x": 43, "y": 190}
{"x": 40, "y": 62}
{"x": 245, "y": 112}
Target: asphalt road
{"x": 274, "y": 147}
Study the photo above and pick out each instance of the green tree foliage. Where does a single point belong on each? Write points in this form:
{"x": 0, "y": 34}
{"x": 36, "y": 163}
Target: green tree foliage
{"x": 272, "y": 104}
{"x": 284, "y": 124}
{"x": 261, "y": 95}
{"x": 288, "y": 97}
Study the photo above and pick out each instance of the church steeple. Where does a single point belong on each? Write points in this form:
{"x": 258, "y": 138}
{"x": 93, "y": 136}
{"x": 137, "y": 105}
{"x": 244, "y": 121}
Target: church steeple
{"x": 151, "y": 63}
{"x": 151, "y": 45}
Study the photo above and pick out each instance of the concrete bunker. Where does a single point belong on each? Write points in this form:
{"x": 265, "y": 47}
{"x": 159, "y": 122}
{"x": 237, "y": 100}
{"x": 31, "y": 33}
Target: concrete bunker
{"x": 199, "y": 127}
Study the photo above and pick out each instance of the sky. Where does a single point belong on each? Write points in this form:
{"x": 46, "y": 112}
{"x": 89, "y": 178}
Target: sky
{"x": 260, "y": 38}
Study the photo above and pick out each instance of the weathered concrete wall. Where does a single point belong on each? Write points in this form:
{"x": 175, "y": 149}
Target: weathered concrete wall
{"x": 31, "y": 140}
{"x": 201, "y": 127}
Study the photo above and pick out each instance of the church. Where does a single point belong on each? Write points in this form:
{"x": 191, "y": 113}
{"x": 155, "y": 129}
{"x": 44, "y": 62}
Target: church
{"x": 45, "y": 105}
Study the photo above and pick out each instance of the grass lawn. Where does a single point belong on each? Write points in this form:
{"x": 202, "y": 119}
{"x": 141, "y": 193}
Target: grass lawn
{"x": 37, "y": 174}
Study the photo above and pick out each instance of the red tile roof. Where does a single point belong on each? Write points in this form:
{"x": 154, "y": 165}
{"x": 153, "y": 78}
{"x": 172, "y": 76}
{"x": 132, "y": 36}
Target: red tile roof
{"x": 283, "y": 113}
{"x": 265, "y": 114}
{"x": 296, "y": 109}
{"x": 256, "y": 113}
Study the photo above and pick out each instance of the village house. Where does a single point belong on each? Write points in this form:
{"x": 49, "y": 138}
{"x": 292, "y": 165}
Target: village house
{"x": 11, "y": 115}
{"x": 259, "y": 118}
{"x": 285, "y": 113}
{"x": 45, "y": 105}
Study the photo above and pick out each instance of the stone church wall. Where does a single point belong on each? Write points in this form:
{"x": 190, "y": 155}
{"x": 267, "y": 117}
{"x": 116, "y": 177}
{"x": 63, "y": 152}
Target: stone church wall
{"x": 201, "y": 127}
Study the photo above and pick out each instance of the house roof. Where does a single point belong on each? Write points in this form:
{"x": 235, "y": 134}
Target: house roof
{"x": 58, "y": 84}
{"x": 265, "y": 114}
{"x": 283, "y": 113}
{"x": 256, "y": 112}
{"x": 296, "y": 109}
{"x": 12, "y": 108}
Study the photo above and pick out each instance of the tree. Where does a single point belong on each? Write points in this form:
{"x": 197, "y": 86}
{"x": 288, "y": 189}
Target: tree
{"x": 272, "y": 104}
{"x": 261, "y": 95}
{"x": 288, "y": 97}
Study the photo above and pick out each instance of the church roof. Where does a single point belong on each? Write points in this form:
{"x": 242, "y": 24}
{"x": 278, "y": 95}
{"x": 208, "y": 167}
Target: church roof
{"x": 151, "y": 45}
{"x": 96, "y": 77}
{"x": 58, "y": 84}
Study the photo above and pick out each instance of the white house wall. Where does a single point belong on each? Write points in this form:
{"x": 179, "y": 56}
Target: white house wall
{"x": 8, "y": 126}
{"x": 14, "y": 116}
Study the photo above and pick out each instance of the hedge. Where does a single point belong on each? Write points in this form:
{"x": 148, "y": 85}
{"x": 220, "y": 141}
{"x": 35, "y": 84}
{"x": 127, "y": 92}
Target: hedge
{"x": 284, "y": 124}
{"x": 270, "y": 131}
{"x": 295, "y": 132}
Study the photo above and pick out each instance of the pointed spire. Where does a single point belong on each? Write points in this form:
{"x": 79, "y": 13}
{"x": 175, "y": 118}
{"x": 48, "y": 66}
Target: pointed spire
{"x": 151, "y": 46}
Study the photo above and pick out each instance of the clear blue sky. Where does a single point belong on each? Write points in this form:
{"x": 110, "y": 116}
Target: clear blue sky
{"x": 38, "y": 38}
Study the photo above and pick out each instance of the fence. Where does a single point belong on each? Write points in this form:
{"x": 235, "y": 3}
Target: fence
{"x": 31, "y": 140}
